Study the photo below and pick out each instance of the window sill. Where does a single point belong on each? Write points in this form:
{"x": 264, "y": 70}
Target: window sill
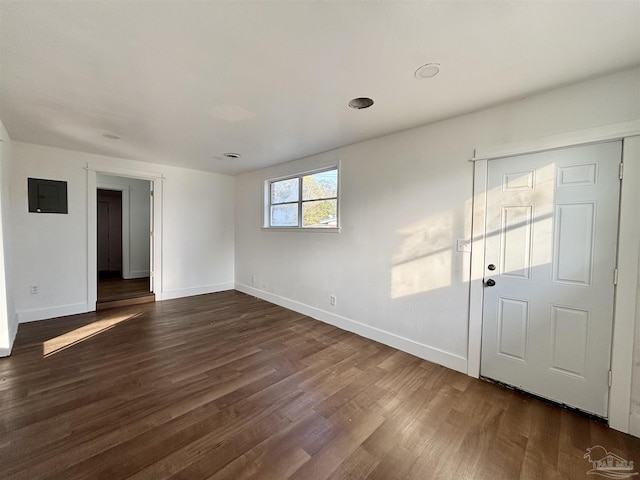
{"x": 302, "y": 230}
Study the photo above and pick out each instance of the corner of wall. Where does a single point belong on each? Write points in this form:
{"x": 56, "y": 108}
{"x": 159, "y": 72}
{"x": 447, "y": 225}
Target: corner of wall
{"x": 10, "y": 326}
{"x": 634, "y": 424}
{"x": 13, "y": 331}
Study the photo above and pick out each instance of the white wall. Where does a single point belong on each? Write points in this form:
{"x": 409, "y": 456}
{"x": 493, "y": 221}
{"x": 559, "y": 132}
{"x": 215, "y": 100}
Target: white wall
{"x": 198, "y": 231}
{"x": 405, "y": 199}
{"x": 50, "y": 250}
{"x": 137, "y": 219}
{"x": 635, "y": 392}
{"x": 635, "y": 384}
{"x": 8, "y": 321}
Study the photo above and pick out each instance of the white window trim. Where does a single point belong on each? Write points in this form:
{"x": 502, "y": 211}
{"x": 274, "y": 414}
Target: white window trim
{"x": 266, "y": 201}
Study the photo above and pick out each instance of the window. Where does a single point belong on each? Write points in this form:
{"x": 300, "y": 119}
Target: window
{"x": 308, "y": 200}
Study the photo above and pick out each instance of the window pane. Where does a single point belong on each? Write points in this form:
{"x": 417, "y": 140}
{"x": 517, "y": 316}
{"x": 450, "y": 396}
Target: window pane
{"x": 320, "y": 214}
{"x": 284, "y": 215}
{"x": 320, "y": 185}
{"x": 285, "y": 191}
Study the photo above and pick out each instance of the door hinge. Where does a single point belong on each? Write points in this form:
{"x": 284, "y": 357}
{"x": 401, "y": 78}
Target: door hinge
{"x": 610, "y": 377}
{"x": 621, "y": 170}
{"x": 615, "y": 277}
{"x": 152, "y": 190}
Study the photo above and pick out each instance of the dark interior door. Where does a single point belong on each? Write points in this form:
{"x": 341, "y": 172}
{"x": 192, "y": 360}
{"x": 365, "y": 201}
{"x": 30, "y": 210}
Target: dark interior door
{"x": 109, "y": 231}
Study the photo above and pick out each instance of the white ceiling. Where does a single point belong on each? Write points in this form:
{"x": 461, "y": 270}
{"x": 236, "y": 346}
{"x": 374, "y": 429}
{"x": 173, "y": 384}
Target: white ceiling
{"x": 183, "y": 81}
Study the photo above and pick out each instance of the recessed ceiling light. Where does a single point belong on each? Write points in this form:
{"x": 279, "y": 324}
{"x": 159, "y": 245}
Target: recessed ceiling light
{"x": 231, "y": 155}
{"x": 428, "y": 70}
{"x": 360, "y": 103}
{"x": 111, "y": 136}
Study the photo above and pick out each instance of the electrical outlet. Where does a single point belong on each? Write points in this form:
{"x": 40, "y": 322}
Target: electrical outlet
{"x": 332, "y": 300}
{"x": 33, "y": 289}
{"x": 253, "y": 279}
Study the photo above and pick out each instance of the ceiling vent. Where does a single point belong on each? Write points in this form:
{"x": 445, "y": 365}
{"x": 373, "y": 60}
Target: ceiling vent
{"x": 360, "y": 103}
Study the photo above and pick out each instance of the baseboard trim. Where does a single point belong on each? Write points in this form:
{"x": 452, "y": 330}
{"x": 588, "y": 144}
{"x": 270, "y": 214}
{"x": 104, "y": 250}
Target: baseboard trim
{"x": 13, "y": 331}
{"x": 634, "y": 424}
{"x": 190, "y": 292}
{"x": 136, "y": 274}
{"x": 421, "y": 350}
{"x": 26, "y": 316}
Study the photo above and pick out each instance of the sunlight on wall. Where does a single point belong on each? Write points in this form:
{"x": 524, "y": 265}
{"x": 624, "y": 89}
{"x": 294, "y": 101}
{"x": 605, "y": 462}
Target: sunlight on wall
{"x": 423, "y": 261}
{"x": 81, "y": 334}
{"x": 526, "y": 213}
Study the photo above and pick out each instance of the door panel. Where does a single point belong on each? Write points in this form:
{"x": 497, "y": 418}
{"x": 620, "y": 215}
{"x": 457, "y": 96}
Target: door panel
{"x": 569, "y": 334}
{"x": 573, "y": 243}
{"x": 551, "y": 233}
{"x": 513, "y": 325}
{"x": 103, "y": 236}
{"x": 109, "y": 218}
{"x": 515, "y": 245}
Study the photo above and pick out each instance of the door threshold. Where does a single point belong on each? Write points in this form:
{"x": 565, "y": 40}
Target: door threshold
{"x": 564, "y": 406}
{"x": 125, "y": 302}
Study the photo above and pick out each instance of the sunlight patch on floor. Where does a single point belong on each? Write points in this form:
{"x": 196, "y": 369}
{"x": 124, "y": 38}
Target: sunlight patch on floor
{"x": 81, "y": 334}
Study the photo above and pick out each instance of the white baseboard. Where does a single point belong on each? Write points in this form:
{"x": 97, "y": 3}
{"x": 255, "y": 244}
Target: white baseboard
{"x": 136, "y": 274}
{"x": 51, "y": 312}
{"x": 435, "y": 355}
{"x": 189, "y": 292}
{"x": 634, "y": 424}
{"x": 13, "y": 331}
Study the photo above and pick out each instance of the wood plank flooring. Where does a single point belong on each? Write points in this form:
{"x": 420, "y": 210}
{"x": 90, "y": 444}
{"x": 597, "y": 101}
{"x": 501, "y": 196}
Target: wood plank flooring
{"x": 226, "y": 386}
{"x": 110, "y": 289}
{"x": 118, "y": 292}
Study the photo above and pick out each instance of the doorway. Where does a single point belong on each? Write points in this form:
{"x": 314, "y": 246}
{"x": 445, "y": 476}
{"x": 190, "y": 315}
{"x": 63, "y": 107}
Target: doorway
{"x": 109, "y": 233}
{"x": 551, "y": 231}
{"x": 123, "y": 212}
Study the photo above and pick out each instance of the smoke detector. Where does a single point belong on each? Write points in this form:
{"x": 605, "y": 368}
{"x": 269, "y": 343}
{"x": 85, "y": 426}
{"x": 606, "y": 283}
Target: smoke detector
{"x": 428, "y": 70}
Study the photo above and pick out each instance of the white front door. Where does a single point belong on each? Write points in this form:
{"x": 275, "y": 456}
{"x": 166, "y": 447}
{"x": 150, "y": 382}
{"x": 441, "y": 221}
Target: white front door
{"x": 550, "y": 258}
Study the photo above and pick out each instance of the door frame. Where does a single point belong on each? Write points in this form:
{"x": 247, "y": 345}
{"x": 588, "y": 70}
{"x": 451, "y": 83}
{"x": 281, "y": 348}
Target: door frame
{"x": 155, "y": 266}
{"x": 626, "y": 294}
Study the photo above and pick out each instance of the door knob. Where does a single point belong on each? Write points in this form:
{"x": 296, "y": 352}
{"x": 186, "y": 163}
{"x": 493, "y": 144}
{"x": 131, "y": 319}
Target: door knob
{"x": 491, "y": 282}
{"x": 491, "y": 267}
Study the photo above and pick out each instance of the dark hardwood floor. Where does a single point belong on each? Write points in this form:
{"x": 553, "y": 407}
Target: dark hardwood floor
{"x": 116, "y": 288}
{"x": 226, "y": 386}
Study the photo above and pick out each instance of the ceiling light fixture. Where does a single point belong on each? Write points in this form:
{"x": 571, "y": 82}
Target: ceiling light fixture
{"x": 231, "y": 155}
{"x": 360, "y": 103}
{"x": 428, "y": 70}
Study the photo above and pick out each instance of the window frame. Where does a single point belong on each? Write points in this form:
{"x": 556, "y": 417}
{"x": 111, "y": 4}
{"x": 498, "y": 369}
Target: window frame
{"x": 266, "y": 224}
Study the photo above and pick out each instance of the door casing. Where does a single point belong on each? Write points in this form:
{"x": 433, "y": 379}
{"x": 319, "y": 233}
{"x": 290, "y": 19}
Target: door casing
{"x": 156, "y": 180}
{"x": 628, "y": 252}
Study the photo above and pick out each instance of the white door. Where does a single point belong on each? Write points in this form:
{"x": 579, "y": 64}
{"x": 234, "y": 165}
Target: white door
{"x": 151, "y": 240}
{"x": 550, "y": 258}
